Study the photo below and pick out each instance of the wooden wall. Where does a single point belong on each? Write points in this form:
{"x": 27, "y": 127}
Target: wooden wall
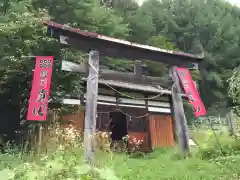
{"x": 161, "y": 130}
{"x": 156, "y": 130}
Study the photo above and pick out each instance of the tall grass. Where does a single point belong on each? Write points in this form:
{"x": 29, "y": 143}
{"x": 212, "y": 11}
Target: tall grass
{"x": 61, "y": 158}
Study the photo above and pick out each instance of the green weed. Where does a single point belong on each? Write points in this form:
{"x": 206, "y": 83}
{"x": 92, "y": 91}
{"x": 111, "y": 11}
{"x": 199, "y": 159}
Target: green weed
{"x": 64, "y": 161}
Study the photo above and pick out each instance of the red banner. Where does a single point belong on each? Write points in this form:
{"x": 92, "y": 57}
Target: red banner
{"x": 191, "y": 92}
{"x": 38, "y": 102}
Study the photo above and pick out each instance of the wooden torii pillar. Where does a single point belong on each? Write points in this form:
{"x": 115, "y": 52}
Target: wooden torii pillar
{"x": 91, "y": 105}
{"x": 179, "y": 115}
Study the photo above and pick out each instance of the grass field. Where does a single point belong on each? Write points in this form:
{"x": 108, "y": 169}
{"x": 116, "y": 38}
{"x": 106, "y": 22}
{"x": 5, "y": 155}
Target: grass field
{"x": 166, "y": 165}
{"x": 65, "y": 162}
{"x": 160, "y": 165}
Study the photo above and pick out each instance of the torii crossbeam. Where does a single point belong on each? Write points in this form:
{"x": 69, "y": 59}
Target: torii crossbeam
{"x": 113, "y": 47}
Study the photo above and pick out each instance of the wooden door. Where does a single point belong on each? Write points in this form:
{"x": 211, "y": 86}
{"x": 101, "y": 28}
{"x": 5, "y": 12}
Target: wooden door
{"x": 161, "y": 130}
{"x": 138, "y": 128}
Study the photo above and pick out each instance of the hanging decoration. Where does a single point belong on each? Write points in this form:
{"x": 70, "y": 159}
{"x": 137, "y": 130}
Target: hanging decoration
{"x": 38, "y": 102}
{"x": 191, "y": 92}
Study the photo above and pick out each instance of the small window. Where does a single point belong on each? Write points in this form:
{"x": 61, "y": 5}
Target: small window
{"x": 102, "y": 121}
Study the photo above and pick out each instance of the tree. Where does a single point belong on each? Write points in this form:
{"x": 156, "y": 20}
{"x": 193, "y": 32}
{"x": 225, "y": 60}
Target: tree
{"x": 209, "y": 27}
{"x": 85, "y": 14}
{"x": 23, "y": 34}
{"x": 234, "y": 88}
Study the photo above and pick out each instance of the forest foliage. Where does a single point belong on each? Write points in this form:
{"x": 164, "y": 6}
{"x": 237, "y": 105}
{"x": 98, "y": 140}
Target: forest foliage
{"x": 209, "y": 27}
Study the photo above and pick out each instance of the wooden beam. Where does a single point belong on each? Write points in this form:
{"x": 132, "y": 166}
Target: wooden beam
{"x": 138, "y": 70}
{"x": 115, "y": 50}
{"x": 91, "y": 105}
{"x": 74, "y": 67}
{"x": 107, "y": 74}
{"x": 113, "y": 47}
{"x": 179, "y": 115}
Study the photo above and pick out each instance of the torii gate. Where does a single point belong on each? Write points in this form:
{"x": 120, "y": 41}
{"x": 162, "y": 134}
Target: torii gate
{"x": 97, "y": 44}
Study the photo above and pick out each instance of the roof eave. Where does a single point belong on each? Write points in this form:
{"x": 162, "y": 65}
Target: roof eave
{"x": 119, "y": 48}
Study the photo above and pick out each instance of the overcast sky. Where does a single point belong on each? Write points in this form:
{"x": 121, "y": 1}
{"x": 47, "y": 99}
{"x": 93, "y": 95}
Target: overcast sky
{"x": 236, "y": 2}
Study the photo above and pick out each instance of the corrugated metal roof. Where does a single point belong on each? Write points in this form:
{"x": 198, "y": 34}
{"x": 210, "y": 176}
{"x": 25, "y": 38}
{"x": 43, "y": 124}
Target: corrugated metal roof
{"x": 134, "y": 86}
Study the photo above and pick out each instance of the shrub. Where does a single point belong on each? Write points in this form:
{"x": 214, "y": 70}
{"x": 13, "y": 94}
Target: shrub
{"x": 223, "y": 145}
{"x": 134, "y": 143}
{"x": 60, "y": 165}
{"x": 63, "y": 160}
{"x": 102, "y": 140}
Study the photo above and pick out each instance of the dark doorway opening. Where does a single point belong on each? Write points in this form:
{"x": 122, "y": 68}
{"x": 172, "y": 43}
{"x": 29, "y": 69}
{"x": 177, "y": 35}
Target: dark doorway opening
{"x": 118, "y": 127}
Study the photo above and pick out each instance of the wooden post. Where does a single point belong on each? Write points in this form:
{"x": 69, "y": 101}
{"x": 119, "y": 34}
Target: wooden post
{"x": 138, "y": 70}
{"x": 232, "y": 124}
{"x": 179, "y": 115}
{"x": 91, "y": 105}
{"x": 40, "y": 133}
